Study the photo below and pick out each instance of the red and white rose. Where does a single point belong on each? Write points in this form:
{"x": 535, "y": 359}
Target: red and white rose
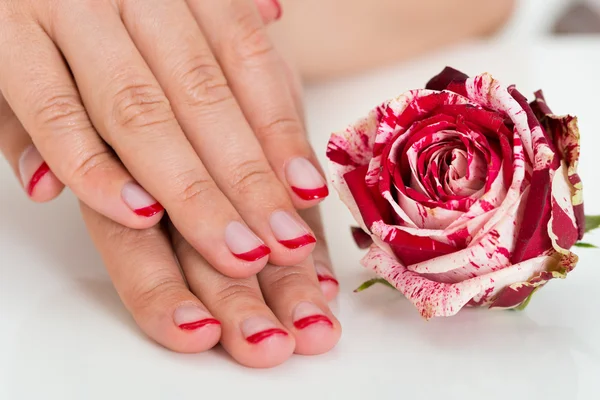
{"x": 470, "y": 194}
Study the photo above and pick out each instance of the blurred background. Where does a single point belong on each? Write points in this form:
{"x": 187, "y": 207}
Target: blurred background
{"x": 327, "y": 39}
{"x": 535, "y": 18}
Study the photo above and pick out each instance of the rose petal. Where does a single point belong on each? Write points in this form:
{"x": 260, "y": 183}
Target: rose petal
{"x": 444, "y": 78}
{"x": 435, "y": 299}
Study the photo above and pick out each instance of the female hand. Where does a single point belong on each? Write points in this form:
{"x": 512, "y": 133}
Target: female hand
{"x": 188, "y": 98}
{"x": 261, "y": 321}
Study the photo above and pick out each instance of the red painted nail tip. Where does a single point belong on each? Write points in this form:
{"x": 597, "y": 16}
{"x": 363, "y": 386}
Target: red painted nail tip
{"x": 149, "y": 211}
{"x": 299, "y": 241}
{"x": 311, "y": 194}
{"x": 313, "y": 319}
{"x": 260, "y": 336}
{"x": 253, "y": 255}
{"x": 324, "y": 278}
{"x": 192, "y": 326}
{"x": 37, "y": 176}
{"x": 279, "y": 9}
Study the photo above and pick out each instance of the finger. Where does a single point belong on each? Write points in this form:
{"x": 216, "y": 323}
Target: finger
{"x": 270, "y": 10}
{"x": 37, "y": 180}
{"x": 322, "y": 261}
{"x": 38, "y": 87}
{"x": 257, "y": 76}
{"x": 298, "y": 295}
{"x": 131, "y": 112}
{"x": 146, "y": 275}
{"x": 251, "y": 334}
{"x": 295, "y": 296}
{"x": 212, "y": 119}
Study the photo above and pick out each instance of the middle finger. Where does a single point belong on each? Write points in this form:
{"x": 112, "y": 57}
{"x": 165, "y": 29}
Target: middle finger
{"x": 208, "y": 112}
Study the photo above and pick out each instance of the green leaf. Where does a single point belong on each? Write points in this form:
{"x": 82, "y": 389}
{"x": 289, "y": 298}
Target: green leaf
{"x": 527, "y": 300}
{"x": 585, "y": 245}
{"x": 592, "y": 222}
{"x": 372, "y": 282}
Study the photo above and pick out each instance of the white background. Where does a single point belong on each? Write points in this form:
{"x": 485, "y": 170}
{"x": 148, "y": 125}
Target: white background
{"x": 65, "y": 335}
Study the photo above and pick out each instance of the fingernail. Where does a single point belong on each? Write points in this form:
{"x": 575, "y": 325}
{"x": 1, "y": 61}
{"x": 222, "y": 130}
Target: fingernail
{"x": 289, "y": 232}
{"x": 324, "y": 275}
{"x": 243, "y": 243}
{"x": 139, "y": 200}
{"x": 278, "y": 8}
{"x": 191, "y": 317}
{"x": 32, "y": 168}
{"x": 257, "y": 329}
{"x": 305, "y": 180}
{"x": 307, "y": 314}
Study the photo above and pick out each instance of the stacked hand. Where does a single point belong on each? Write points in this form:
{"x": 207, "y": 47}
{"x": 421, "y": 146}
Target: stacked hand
{"x": 143, "y": 105}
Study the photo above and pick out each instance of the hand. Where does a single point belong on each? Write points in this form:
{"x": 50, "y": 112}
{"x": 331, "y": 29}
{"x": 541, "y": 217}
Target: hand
{"x": 189, "y": 99}
{"x": 263, "y": 319}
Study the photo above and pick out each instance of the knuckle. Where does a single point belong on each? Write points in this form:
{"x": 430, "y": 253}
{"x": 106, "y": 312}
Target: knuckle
{"x": 251, "y": 41}
{"x": 288, "y": 279}
{"x": 88, "y": 163}
{"x": 190, "y": 188}
{"x": 239, "y": 291}
{"x": 152, "y": 289}
{"x": 203, "y": 84}
{"x": 247, "y": 175}
{"x": 60, "y": 110}
{"x": 280, "y": 127}
{"x": 140, "y": 106}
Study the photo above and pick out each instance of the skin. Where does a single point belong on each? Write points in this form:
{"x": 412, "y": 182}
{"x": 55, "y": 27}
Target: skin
{"x": 131, "y": 93}
{"x": 140, "y": 255}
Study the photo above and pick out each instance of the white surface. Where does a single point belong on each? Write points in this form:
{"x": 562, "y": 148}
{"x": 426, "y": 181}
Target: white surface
{"x": 64, "y": 334}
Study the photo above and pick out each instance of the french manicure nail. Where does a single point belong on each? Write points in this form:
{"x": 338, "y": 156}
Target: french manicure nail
{"x": 32, "y": 168}
{"x": 243, "y": 243}
{"x": 278, "y": 8}
{"x": 257, "y": 329}
{"x": 190, "y": 317}
{"x": 139, "y": 200}
{"x": 305, "y": 180}
{"x": 307, "y": 314}
{"x": 289, "y": 232}
{"x": 324, "y": 275}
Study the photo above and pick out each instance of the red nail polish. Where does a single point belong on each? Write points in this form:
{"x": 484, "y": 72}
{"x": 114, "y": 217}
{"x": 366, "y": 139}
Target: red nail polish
{"x": 298, "y": 242}
{"x": 192, "y": 326}
{"x": 260, "y": 336}
{"x": 253, "y": 255}
{"x": 313, "y": 319}
{"x": 279, "y": 9}
{"x": 149, "y": 211}
{"x": 323, "y": 278}
{"x": 311, "y": 194}
{"x": 37, "y": 176}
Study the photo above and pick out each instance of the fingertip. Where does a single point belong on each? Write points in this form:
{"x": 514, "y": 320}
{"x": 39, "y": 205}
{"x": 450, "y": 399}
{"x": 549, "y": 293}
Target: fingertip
{"x": 292, "y": 256}
{"x": 317, "y": 331}
{"x": 189, "y": 329}
{"x": 44, "y": 188}
{"x": 239, "y": 269}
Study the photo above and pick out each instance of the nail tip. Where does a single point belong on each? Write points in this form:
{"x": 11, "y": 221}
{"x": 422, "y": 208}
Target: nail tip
{"x": 37, "y": 176}
{"x": 279, "y": 10}
{"x": 311, "y": 320}
{"x": 324, "y": 278}
{"x": 299, "y": 242}
{"x": 262, "y": 335}
{"x": 192, "y": 326}
{"x": 255, "y": 254}
{"x": 149, "y": 211}
{"x": 311, "y": 194}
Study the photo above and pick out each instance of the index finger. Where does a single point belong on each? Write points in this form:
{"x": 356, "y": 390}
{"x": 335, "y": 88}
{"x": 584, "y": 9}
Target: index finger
{"x": 258, "y": 78}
